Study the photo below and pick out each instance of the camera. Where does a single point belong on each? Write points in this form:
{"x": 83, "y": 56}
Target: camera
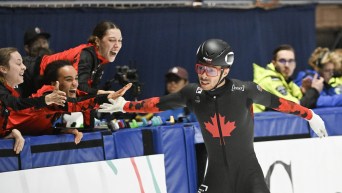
{"x": 124, "y": 75}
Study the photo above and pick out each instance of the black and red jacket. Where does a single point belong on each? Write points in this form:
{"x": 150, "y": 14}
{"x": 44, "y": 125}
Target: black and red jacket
{"x": 10, "y": 101}
{"x": 34, "y": 121}
{"x": 86, "y": 60}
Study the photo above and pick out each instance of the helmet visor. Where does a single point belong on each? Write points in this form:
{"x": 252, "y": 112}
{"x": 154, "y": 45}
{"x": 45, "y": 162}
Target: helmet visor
{"x": 209, "y": 70}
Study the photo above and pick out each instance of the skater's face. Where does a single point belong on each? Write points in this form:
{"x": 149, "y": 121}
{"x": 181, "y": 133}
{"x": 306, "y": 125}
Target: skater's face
{"x": 209, "y": 76}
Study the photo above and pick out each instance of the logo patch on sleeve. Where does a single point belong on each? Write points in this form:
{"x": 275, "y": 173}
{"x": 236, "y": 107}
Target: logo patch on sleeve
{"x": 199, "y": 90}
{"x": 239, "y": 88}
{"x": 282, "y": 90}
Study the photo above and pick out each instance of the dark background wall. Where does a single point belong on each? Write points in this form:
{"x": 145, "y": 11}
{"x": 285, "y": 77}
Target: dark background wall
{"x": 155, "y": 39}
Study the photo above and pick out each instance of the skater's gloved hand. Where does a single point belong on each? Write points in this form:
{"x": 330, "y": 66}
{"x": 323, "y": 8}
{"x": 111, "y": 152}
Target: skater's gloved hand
{"x": 317, "y": 125}
{"x": 115, "y": 106}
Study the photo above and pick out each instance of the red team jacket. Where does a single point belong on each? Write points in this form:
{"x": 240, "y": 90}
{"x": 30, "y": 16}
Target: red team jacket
{"x": 34, "y": 121}
{"x": 86, "y": 60}
{"x": 10, "y": 102}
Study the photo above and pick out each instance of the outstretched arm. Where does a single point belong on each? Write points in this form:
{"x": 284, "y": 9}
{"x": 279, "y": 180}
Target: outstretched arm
{"x": 12, "y": 100}
{"x": 315, "y": 121}
{"x": 121, "y": 105}
{"x": 151, "y": 105}
{"x": 114, "y": 95}
{"x": 267, "y": 99}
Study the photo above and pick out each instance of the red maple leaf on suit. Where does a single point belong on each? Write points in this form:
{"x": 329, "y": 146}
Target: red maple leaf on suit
{"x": 212, "y": 127}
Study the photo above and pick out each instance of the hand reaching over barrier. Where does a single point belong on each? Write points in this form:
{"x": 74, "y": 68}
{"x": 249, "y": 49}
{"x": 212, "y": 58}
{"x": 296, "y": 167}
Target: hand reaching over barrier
{"x": 19, "y": 140}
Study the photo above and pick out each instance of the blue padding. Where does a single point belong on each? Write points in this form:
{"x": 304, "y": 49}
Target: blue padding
{"x": 25, "y": 155}
{"x": 53, "y": 158}
{"x": 157, "y": 140}
{"x": 128, "y": 143}
{"x": 172, "y": 144}
{"x": 189, "y": 133}
{"x": 8, "y": 163}
{"x": 11, "y": 162}
{"x": 109, "y": 147}
{"x": 279, "y": 124}
{"x": 198, "y": 138}
{"x": 332, "y": 118}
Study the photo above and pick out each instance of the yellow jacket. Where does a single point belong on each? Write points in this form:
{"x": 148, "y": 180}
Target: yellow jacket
{"x": 336, "y": 82}
{"x": 274, "y": 82}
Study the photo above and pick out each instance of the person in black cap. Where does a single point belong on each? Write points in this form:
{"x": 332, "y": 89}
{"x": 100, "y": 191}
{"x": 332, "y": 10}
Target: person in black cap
{"x": 34, "y": 39}
{"x": 176, "y": 78}
{"x": 36, "y": 44}
{"x": 224, "y": 110}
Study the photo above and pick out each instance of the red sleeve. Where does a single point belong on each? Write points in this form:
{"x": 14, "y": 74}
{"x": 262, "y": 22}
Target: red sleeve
{"x": 72, "y": 54}
{"x": 293, "y": 108}
{"x": 270, "y": 100}
{"x": 144, "y": 106}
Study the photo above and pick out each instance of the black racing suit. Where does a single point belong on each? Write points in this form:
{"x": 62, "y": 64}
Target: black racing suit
{"x": 226, "y": 119}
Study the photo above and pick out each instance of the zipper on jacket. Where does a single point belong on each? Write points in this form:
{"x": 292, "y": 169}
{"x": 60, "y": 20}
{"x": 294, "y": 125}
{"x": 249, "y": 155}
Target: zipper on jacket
{"x": 223, "y": 144}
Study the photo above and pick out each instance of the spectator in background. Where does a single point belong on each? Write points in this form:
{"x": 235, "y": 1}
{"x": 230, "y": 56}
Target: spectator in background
{"x": 11, "y": 75}
{"x": 36, "y": 44}
{"x": 90, "y": 59}
{"x": 175, "y": 79}
{"x": 276, "y": 79}
{"x": 324, "y": 64}
{"x": 34, "y": 39}
{"x": 336, "y": 80}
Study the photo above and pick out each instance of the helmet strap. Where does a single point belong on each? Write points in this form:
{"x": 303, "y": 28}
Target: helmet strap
{"x": 220, "y": 80}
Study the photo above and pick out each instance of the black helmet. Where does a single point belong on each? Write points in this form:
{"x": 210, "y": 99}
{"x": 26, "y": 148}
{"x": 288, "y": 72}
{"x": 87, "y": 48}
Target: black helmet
{"x": 215, "y": 52}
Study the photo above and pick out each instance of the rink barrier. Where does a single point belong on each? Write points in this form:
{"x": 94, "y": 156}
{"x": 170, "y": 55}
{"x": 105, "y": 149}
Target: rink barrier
{"x": 176, "y": 142}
